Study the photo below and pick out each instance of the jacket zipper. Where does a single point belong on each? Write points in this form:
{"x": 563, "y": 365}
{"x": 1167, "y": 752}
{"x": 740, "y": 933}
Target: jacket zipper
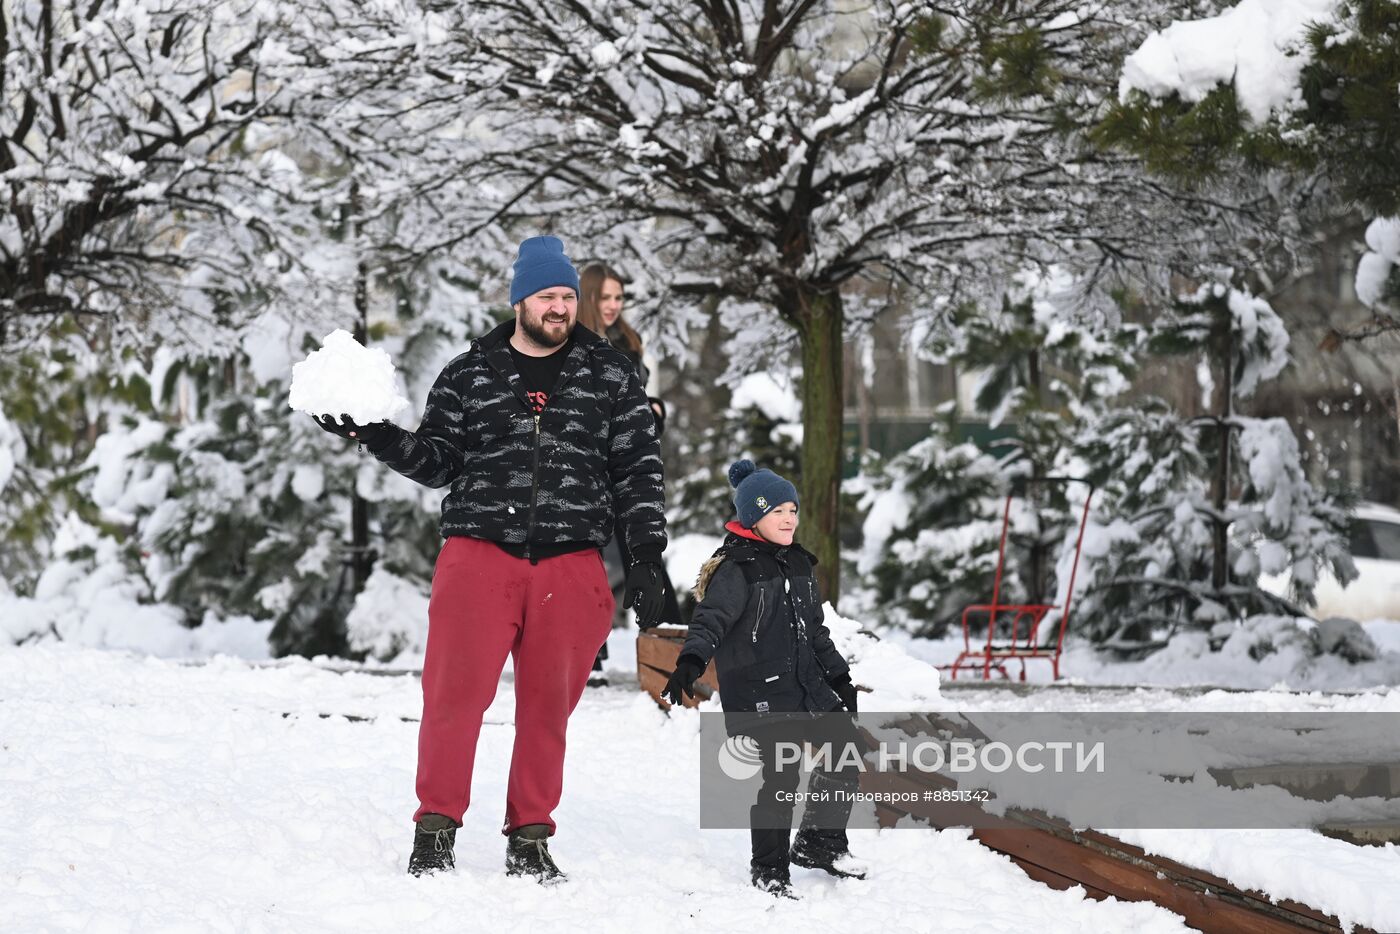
{"x": 757, "y": 618}
{"x": 564, "y": 377}
{"x": 534, "y": 487}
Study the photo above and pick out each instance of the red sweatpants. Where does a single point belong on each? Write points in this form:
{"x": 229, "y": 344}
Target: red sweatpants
{"x": 551, "y": 617}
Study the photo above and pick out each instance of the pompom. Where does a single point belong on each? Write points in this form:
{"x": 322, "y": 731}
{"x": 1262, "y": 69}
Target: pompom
{"x": 739, "y": 470}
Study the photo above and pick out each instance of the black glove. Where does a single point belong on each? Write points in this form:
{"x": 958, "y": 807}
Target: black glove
{"x": 645, "y": 592}
{"x": 845, "y": 690}
{"x": 349, "y": 428}
{"x": 688, "y": 670}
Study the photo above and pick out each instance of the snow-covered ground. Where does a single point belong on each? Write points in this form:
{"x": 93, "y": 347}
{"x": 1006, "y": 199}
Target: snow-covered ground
{"x": 147, "y": 795}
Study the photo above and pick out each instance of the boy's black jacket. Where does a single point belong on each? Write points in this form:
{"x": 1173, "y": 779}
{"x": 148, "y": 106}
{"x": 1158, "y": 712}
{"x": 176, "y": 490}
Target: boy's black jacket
{"x": 760, "y": 619}
{"x": 589, "y": 463}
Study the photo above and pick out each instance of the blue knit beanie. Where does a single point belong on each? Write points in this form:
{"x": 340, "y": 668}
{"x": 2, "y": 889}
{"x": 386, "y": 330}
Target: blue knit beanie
{"x": 541, "y": 264}
{"x": 757, "y": 492}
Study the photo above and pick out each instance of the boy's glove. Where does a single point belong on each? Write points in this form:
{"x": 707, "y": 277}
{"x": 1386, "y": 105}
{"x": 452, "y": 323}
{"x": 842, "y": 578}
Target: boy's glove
{"x": 845, "y": 690}
{"x": 645, "y": 593}
{"x": 349, "y": 428}
{"x": 688, "y": 670}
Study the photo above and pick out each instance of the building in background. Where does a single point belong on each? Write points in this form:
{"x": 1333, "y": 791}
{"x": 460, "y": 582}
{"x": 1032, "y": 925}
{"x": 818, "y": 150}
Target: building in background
{"x": 1341, "y": 396}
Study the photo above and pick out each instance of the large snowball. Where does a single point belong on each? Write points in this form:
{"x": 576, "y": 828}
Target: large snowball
{"x": 345, "y": 377}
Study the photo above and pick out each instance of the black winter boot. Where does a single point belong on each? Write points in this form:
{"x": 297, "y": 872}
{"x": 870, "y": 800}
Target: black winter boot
{"x": 527, "y": 854}
{"x": 825, "y": 850}
{"x": 433, "y": 839}
{"x": 596, "y": 678}
{"x": 774, "y": 880}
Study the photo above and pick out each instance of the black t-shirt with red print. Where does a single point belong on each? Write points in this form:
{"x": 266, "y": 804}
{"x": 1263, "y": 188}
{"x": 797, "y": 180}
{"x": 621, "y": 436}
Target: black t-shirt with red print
{"x": 540, "y": 374}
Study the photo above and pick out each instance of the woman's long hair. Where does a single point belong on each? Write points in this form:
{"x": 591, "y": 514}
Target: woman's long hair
{"x": 590, "y": 283}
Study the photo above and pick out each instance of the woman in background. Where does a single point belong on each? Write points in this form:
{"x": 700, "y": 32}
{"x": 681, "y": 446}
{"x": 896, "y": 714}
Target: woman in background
{"x": 600, "y": 310}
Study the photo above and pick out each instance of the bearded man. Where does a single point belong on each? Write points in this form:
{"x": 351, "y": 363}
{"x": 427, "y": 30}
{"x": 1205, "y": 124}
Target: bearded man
{"x": 544, "y": 435}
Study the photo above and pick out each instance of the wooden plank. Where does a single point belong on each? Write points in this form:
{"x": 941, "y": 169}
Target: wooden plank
{"x": 1203, "y": 914}
{"x": 1178, "y": 873}
{"x": 1051, "y": 852}
{"x": 668, "y": 631}
{"x": 659, "y": 653}
{"x": 1056, "y": 881}
{"x": 653, "y": 682}
{"x": 1173, "y": 869}
{"x": 1221, "y": 908}
{"x": 886, "y": 816}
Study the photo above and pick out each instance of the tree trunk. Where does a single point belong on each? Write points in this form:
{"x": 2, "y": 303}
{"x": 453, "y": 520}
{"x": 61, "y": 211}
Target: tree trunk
{"x": 863, "y": 405}
{"x": 1220, "y": 491}
{"x": 819, "y": 318}
{"x": 361, "y": 560}
{"x": 1036, "y": 494}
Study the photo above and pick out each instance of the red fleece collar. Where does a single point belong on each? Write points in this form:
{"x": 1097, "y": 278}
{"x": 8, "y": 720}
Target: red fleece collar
{"x": 733, "y": 526}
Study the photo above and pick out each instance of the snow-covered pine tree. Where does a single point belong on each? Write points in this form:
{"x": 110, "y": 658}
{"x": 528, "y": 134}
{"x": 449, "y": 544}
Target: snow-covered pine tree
{"x": 761, "y": 421}
{"x": 1146, "y": 541}
{"x": 1044, "y": 364}
{"x": 55, "y": 395}
{"x": 1192, "y": 510}
{"x": 931, "y": 531}
{"x": 244, "y": 510}
{"x": 1322, "y": 105}
{"x": 295, "y": 556}
{"x": 229, "y": 515}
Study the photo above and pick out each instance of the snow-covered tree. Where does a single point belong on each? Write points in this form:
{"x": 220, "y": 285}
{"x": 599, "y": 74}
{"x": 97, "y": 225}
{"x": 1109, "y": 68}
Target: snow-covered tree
{"x": 934, "y": 515}
{"x": 1312, "y": 88}
{"x": 931, "y": 532}
{"x": 244, "y": 510}
{"x": 54, "y": 396}
{"x": 1191, "y": 511}
{"x": 1148, "y": 544}
{"x": 760, "y": 421}
{"x": 774, "y": 154}
{"x": 137, "y": 190}
{"x": 1043, "y": 368}
{"x": 209, "y": 183}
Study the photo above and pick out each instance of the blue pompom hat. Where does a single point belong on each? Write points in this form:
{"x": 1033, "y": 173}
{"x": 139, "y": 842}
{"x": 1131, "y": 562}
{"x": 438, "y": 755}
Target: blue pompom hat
{"x": 757, "y": 492}
{"x": 541, "y": 264}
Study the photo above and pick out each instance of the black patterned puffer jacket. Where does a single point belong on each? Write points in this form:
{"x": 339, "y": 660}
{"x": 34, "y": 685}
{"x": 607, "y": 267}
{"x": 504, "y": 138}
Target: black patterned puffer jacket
{"x": 588, "y": 463}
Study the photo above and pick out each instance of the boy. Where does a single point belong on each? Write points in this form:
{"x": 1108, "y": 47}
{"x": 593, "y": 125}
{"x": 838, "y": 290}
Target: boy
{"x": 760, "y": 619}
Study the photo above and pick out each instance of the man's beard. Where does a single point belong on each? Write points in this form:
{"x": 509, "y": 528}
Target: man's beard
{"x": 536, "y": 331}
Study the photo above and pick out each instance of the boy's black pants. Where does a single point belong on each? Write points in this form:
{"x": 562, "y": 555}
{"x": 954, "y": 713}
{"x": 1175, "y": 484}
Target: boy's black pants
{"x": 825, "y": 813}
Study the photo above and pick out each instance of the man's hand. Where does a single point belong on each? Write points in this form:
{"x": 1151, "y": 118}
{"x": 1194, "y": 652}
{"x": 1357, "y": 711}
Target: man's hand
{"x": 845, "y": 690}
{"x": 688, "y": 670}
{"x": 349, "y": 428}
{"x": 645, "y": 593}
